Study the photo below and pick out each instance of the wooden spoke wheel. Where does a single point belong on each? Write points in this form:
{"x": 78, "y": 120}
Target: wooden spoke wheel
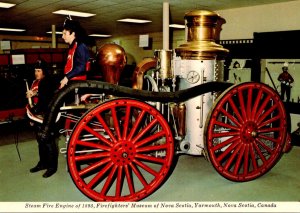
{"x": 121, "y": 150}
{"x": 246, "y": 131}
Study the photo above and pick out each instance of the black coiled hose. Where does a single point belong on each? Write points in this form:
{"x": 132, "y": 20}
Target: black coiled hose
{"x": 99, "y": 87}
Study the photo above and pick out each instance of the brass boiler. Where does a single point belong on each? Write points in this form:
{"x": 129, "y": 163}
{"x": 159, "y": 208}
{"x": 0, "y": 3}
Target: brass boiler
{"x": 198, "y": 60}
{"x": 163, "y": 63}
{"x": 112, "y": 59}
{"x": 202, "y": 31}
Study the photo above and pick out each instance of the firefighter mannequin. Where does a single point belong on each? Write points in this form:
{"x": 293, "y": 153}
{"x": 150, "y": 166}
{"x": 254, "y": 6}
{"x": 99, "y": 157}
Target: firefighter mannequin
{"x": 78, "y": 54}
{"x": 41, "y": 92}
{"x": 286, "y": 80}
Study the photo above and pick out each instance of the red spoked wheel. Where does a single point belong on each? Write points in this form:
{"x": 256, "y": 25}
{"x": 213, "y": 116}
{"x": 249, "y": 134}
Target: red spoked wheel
{"x": 121, "y": 150}
{"x": 246, "y": 131}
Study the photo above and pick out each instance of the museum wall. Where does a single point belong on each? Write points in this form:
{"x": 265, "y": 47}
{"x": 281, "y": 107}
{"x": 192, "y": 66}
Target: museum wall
{"x": 241, "y": 23}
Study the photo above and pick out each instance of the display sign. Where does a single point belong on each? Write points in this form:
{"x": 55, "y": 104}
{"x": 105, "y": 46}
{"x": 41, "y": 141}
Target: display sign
{"x": 5, "y": 45}
{"x": 18, "y": 59}
{"x": 144, "y": 40}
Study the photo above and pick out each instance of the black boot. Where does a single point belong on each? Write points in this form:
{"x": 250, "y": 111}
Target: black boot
{"x": 42, "y": 164}
{"x": 52, "y": 159}
{"x": 49, "y": 172}
{"x": 37, "y": 168}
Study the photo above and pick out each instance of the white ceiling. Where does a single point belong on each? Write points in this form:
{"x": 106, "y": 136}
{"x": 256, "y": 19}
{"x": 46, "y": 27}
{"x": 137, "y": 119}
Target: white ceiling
{"x": 36, "y": 15}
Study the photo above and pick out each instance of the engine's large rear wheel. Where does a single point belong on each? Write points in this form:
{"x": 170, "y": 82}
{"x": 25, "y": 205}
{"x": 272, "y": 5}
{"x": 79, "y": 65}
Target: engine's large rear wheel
{"x": 121, "y": 150}
{"x": 246, "y": 131}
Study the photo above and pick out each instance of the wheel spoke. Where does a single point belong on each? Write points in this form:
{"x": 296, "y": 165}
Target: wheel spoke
{"x": 95, "y": 180}
{"x": 269, "y": 122}
{"x": 138, "y": 174}
{"x": 151, "y": 159}
{"x": 93, "y": 145}
{"x": 98, "y": 135}
{"x": 146, "y": 168}
{"x": 255, "y": 106}
{"x": 262, "y": 108}
{"x": 119, "y": 181}
{"x": 265, "y": 114}
{"x": 126, "y": 122}
{"x": 253, "y": 158}
{"x": 232, "y": 156}
{"x": 258, "y": 151}
{"x": 106, "y": 128}
{"x": 116, "y": 122}
{"x": 108, "y": 181}
{"x": 93, "y": 167}
{"x": 246, "y": 159}
{"x": 143, "y": 132}
{"x": 228, "y": 150}
{"x": 136, "y": 124}
{"x": 225, "y": 134}
{"x": 152, "y": 148}
{"x": 235, "y": 110}
{"x": 267, "y": 148}
{"x": 249, "y": 103}
{"x": 150, "y": 138}
{"x": 221, "y": 124}
{"x": 275, "y": 129}
{"x": 239, "y": 160}
{"x": 129, "y": 180}
{"x": 242, "y": 104}
{"x": 225, "y": 143}
{"x": 231, "y": 118}
{"x": 91, "y": 156}
{"x": 265, "y": 137}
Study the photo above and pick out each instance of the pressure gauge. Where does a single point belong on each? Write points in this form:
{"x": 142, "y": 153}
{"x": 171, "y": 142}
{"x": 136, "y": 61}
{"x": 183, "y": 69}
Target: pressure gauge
{"x": 193, "y": 77}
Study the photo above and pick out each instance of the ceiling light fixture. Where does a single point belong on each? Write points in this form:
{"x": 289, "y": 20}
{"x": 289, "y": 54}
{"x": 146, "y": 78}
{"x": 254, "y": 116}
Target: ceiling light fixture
{"x": 179, "y": 26}
{"x": 100, "y": 35}
{"x": 12, "y": 29}
{"x": 6, "y": 5}
{"x": 132, "y": 20}
{"x": 73, "y": 13}
{"x": 50, "y": 32}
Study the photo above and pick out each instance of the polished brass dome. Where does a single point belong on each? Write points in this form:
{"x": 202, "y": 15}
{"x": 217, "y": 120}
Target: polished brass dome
{"x": 112, "y": 59}
{"x": 202, "y": 31}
